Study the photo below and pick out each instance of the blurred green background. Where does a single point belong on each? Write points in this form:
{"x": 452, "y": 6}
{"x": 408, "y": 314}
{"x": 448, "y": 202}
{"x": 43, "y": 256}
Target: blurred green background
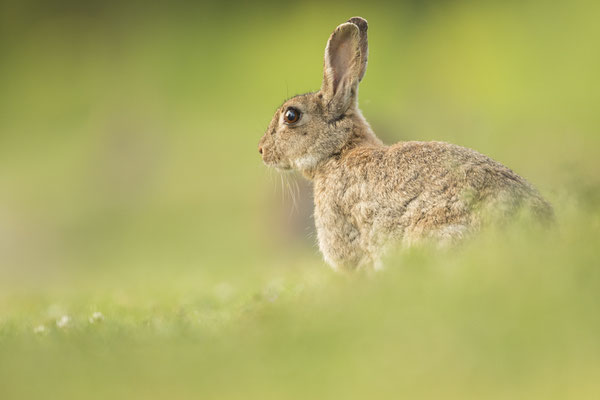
{"x": 131, "y": 185}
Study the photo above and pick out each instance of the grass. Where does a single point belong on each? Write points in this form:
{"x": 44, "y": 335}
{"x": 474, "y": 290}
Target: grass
{"x": 512, "y": 314}
{"x": 130, "y": 186}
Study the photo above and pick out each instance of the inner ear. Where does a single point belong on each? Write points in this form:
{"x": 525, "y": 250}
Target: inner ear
{"x": 341, "y": 67}
{"x": 342, "y": 54}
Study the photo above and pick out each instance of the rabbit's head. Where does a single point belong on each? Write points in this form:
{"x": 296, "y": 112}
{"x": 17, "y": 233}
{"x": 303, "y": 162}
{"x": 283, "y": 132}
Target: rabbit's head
{"x": 310, "y": 128}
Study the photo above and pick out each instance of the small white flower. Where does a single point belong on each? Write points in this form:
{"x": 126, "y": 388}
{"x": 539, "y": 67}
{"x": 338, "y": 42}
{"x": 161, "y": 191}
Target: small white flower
{"x": 40, "y": 329}
{"x": 96, "y": 317}
{"x": 63, "y": 321}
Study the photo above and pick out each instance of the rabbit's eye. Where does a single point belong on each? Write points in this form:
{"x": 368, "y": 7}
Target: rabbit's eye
{"x": 291, "y": 115}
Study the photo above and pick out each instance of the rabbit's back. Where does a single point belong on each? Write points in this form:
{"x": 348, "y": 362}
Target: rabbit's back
{"x": 372, "y": 196}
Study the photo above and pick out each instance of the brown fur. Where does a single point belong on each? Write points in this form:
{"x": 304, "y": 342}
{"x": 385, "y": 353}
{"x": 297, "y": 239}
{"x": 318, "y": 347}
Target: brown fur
{"x": 367, "y": 195}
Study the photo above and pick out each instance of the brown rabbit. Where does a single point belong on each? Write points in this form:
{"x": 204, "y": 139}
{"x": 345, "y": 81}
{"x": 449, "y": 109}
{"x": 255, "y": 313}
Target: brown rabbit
{"x": 368, "y": 195}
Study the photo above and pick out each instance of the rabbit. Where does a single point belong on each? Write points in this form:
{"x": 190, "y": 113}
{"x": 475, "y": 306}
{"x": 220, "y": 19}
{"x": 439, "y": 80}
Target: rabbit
{"x": 368, "y": 196}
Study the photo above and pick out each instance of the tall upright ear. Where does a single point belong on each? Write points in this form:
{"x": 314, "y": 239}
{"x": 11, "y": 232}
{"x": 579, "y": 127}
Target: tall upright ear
{"x": 342, "y": 68}
{"x": 363, "y": 26}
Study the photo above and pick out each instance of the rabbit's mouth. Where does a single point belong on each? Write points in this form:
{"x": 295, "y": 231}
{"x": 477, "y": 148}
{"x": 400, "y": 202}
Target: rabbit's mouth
{"x": 274, "y": 162}
{"x": 278, "y": 165}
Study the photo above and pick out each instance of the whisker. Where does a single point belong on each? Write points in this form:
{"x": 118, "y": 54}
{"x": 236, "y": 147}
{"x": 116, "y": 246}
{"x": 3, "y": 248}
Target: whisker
{"x": 296, "y": 192}
{"x": 297, "y": 187}
{"x": 293, "y": 196}
{"x": 282, "y": 189}
{"x": 272, "y": 181}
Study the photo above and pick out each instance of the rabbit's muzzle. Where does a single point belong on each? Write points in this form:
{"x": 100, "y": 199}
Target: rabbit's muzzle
{"x": 267, "y": 155}
{"x": 271, "y": 159}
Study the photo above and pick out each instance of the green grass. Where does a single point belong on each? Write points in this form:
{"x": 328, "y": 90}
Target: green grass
{"x": 130, "y": 185}
{"x": 512, "y": 314}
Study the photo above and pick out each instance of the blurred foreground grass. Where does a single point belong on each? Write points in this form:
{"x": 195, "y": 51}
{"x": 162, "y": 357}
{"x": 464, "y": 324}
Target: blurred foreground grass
{"x": 130, "y": 186}
{"x": 513, "y": 314}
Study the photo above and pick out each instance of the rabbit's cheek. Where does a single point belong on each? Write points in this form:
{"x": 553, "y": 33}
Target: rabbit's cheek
{"x": 305, "y": 162}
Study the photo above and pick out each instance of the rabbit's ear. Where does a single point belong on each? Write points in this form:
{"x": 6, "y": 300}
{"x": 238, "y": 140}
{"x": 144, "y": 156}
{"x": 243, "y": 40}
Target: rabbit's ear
{"x": 342, "y": 67}
{"x": 364, "y": 44}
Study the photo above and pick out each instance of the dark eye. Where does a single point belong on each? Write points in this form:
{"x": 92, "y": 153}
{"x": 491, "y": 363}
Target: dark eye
{"x": 291, "y": 115}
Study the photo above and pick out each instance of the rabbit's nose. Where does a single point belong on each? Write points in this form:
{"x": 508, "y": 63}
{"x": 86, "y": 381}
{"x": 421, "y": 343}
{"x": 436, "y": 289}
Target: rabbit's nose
{"x": 260, "y": 149}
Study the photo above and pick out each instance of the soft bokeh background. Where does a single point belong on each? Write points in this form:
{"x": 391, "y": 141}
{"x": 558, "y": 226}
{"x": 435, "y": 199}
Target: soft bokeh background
{"x": 130, "y": 185}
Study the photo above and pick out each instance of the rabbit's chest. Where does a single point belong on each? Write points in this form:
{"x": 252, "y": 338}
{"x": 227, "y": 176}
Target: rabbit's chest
{"x": 350, "y": 227}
